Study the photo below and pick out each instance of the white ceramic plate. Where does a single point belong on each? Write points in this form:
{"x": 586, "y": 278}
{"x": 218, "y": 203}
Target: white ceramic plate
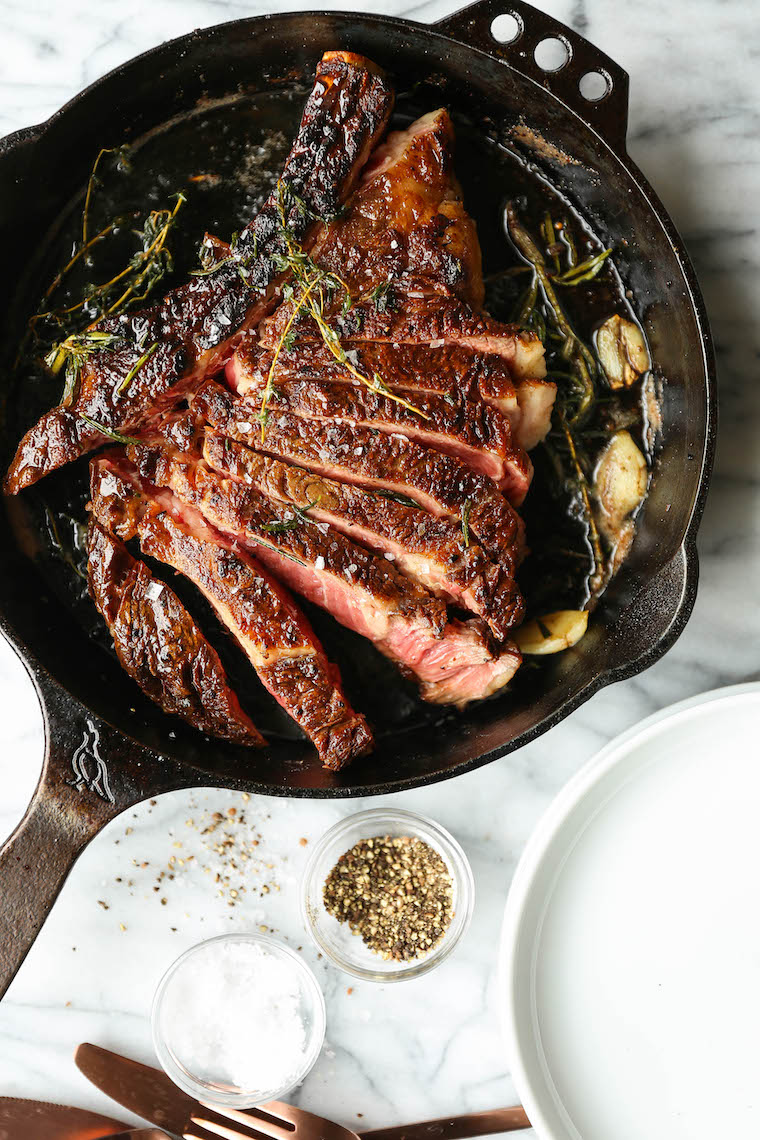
{"x": 631, "y": 945}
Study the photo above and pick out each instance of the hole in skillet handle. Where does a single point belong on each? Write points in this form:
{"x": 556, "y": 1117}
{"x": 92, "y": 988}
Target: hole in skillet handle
{"x": 595, "y": 86}
{"x": 506, "y": 28}
{"x": 552, "y": 55}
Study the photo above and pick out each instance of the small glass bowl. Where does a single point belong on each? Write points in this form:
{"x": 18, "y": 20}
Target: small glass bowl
{"x": 201, "y": 1086}
{"x": 335, "y": 939}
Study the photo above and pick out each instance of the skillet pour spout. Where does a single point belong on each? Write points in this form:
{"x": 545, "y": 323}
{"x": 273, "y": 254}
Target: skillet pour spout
{"x": 106, "y": 746}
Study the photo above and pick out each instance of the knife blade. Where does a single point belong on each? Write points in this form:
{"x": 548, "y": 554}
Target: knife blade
{"x": 146, "y": 1091}
{"x": 37, "y": 1120}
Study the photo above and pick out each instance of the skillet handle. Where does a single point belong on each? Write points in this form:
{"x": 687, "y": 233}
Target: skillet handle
{"x": 34, "y": 864}
{"x": 607, "y": 116}
{"x": 90, "y": 774}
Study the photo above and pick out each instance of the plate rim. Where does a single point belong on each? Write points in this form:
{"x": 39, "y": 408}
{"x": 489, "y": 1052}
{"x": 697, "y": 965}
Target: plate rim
{"x": 532, "y": 861}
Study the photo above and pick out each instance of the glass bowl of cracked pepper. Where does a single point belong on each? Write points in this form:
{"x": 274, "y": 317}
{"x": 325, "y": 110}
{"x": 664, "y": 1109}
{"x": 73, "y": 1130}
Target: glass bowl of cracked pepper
{"x": 387, "y": 894}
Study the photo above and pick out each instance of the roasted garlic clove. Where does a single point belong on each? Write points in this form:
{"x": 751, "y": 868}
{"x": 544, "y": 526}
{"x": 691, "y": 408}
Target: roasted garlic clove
{"x": 620, "y": 480}
{"x": 552, "y": 632}
{"x": 622, "y": 351}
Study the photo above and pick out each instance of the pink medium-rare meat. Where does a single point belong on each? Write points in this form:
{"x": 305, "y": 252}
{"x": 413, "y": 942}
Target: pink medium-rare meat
{"x": 453, "y": 371}
{"x": 159, "y": 354}
{"x": 439, "y": 483}
{"x": 427, "y": 549}
{"x": 364, "y": 592}
{"x": 255, "y": 608}
{"x": 159, "y": 645}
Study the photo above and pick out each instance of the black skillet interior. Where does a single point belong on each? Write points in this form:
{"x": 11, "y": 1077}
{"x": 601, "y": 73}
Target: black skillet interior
{"x": 198, "y": 99}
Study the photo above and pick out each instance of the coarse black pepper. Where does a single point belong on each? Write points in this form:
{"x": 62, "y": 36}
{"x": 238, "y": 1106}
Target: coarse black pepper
{"x": 395, "y": 892}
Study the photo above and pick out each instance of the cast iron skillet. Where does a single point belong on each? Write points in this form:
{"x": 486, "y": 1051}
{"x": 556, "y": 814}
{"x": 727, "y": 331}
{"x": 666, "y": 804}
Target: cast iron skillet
{"x": 107, "y": 749}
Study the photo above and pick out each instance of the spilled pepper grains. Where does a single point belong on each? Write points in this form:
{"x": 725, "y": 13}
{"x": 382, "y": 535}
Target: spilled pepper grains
{"x": 395, "y": 892}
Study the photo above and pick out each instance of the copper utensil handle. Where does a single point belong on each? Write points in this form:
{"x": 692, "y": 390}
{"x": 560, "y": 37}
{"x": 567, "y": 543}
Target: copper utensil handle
{"x": 456, "y": 1127}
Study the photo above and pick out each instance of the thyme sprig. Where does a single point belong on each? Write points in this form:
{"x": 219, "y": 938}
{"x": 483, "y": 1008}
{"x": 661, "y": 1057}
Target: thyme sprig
{"x": 596, "y": 576}
{"x": 314, "y": 288}
{"x": 147, "y": 266}
{"x": 71, "y": 353}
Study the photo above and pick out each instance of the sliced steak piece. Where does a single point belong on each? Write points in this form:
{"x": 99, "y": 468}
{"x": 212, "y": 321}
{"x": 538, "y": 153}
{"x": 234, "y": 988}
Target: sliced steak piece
{"x": 409, "y": 254}
{"x": 426, "y": 549}
{"x": 420, "y": 319}
{"x": 439, "y": 483}
{"x": 193, "y": 330}
{"x": 406, "y": 222}
{"x": 453, "y": 371}
{"x": 452, "y": 661}
{"x": 260, "y": 614}
{"x": 474, "y": 432}
{"x": 160, "y": 646}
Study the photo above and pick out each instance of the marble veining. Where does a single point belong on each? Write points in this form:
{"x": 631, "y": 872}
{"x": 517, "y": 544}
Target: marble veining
{"x": 431, "y": 1046}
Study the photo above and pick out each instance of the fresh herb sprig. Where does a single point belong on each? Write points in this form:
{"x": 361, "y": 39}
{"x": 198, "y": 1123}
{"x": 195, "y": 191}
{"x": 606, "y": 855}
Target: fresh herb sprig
{"x": 313, "y": 288}
{"x": 71, "y": 353}
{"x": 132, "y": 285}
{"x": 578, "y": 373}
{"x": 300, "y": 516}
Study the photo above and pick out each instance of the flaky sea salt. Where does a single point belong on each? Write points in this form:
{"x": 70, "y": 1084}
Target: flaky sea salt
{"x": 232, "y": 1015}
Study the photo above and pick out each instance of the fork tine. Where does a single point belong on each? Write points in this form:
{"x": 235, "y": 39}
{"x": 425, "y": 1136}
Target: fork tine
{"x": 269, "y": 1118}
{"x": 219, "y": 1130}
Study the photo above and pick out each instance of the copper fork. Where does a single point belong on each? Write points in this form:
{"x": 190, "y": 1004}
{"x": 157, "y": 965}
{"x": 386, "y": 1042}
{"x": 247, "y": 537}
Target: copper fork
{"x": 278, "y": 1121}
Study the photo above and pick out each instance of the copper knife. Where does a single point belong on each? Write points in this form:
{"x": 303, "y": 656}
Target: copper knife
{"x": 149, "y": 1093}
{"x": 36, "y": 1120}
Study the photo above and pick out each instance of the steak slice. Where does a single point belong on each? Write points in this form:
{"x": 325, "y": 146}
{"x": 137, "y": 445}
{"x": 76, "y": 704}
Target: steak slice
{"x": 410, "y": 256}
{"x": 194, "y": 328}
{"x": 260, "y": 614}
{"x": 453, "y": 371}
{"x": 452, "y": 661}
{"x": 426, "y": 549}
{"x": 474, "y": 432}
{"x": 159, "y": 645}
{"x": 439, "y": 483}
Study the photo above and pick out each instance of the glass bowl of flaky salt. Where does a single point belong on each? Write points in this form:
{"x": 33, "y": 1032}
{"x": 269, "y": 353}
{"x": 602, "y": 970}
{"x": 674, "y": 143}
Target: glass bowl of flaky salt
{"x": 238, "y": 1020}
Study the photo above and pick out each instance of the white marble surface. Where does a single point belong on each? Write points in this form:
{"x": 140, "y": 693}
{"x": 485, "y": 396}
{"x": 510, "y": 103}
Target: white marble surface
{"x": 430, "y": 1046}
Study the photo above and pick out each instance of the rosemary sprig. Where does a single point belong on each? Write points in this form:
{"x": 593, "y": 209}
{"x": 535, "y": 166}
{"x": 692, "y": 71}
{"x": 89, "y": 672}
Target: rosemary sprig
{"x": 277, "y": 549}
{"x": 395, "y": 496}
{"x": 574, "y": 351}
{"x": 586, "y": 271}
{"x": 116, "y": 436}
{"x": 136, "y": 368}
{"x": 466, "y": 522}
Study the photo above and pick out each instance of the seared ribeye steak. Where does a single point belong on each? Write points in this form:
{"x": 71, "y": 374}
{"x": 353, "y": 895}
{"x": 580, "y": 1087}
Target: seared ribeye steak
{"x": 255, "y": 608}
{"x": 427, "y": 549}
{"x": 409, "y": 255}
{"x": 453, "y": 371}
{"x": 453, "y": 662}
{"x": 194, "y": 328}
{"x": 159, "y": 644}
{"x": 439, "y": 483}
{"x": 473, "y": 431}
